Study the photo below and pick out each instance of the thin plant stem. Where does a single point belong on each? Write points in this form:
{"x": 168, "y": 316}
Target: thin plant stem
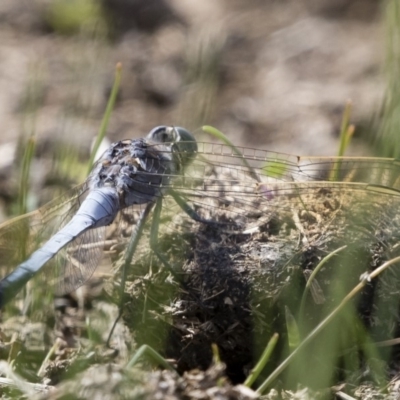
{"x": 220, "y": 136}
{"x": 148, "y": 351}
{"x": 256, "y": 371}
{"x": 106, "y": 116}
{"x": 344, "y": 128}
{"x": 26, "y": 167}
{"x": 313, "y": 275}
{"x": 367, "y": 277}
{"x": 346, "y": 133}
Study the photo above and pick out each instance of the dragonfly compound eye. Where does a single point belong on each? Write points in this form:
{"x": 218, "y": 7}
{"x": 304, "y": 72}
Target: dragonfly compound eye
{"x": 185, "y": 145}
{"x": 161, "y": 134}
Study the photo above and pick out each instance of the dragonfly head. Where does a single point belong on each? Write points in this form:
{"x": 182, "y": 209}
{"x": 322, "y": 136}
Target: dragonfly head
{"x": 182, "y": 142}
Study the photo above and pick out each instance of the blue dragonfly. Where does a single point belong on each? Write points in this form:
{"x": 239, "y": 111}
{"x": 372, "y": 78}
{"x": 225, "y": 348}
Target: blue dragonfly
{"x": 230, "y": 187}
{"x": 131, "y": 173}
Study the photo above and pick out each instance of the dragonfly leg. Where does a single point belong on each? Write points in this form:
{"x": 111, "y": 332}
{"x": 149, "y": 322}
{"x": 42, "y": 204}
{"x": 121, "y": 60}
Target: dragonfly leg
{"x": 192, "y": 213}
{"x": 130, "y": 251}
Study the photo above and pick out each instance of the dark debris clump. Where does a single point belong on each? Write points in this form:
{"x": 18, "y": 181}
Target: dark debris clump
{"x": 233, "y": 288}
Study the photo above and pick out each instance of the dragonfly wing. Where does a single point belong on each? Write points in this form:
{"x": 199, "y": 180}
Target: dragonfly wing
{"x": 21, "y": 236}
{"x": 258, "y": 164}
{"x": 249, "y": 182}
{"x": 97, "y": 210}
{"x": 76, "y": 263}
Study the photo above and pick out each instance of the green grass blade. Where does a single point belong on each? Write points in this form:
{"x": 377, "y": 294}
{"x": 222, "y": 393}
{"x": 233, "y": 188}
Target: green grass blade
{"x": 220, "y": 136}
{"x": 274, "y": 169}
{"x": 313, "y": 275}
{"x": 323, "y": 324}
{"x": 24, "y": 179}
{"x": 346, "y": 132}
{"x": 292, "y": 330}
{"x": 344, "y": 141}
{"x": 266, "y": 355}
{"x": 385, "y": 128}
{"x": 107, "y": 113}
{"x": 148, "y": 351}
{"x": 215, "y": 352}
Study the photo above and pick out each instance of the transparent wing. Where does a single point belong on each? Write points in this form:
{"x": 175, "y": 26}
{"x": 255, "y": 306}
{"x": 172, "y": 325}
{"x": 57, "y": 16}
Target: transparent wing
{"x": 76, "y": 263}
{"x": 265, "y": 165}
{"x": 242, "y": 188}
{"x": 21, "y": 236}
{"x": 247, "y": 187}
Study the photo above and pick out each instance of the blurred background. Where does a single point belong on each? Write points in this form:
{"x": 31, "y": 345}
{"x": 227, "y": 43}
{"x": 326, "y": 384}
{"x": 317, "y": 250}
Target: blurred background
{"x": 270, "y": 74}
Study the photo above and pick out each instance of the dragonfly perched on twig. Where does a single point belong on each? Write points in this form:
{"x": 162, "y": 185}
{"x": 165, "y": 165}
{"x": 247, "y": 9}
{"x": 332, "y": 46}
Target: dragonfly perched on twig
{"x": 199, "y": 177}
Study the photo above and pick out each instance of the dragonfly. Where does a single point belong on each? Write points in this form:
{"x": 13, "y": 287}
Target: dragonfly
{"x": 129, "y": 173}
{"x": 168, "y": 168}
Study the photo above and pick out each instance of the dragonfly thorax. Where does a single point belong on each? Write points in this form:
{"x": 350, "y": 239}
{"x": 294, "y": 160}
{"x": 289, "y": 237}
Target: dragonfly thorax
{"x": 139, "y": 170}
